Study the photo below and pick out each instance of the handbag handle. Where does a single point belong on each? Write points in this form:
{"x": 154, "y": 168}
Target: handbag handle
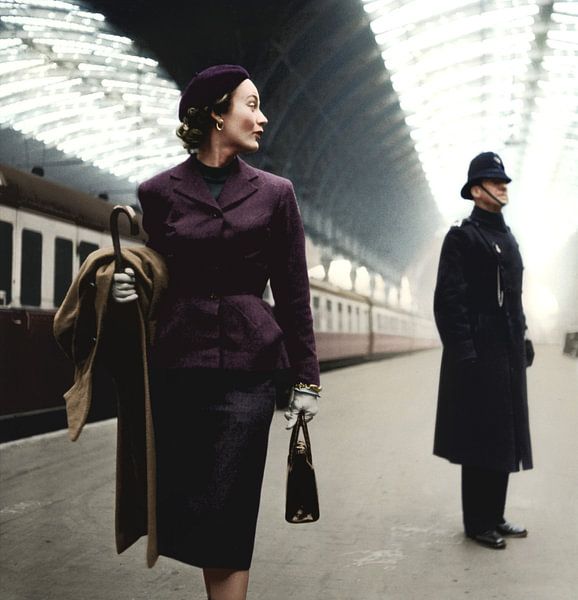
{"x": 301, "y": 424}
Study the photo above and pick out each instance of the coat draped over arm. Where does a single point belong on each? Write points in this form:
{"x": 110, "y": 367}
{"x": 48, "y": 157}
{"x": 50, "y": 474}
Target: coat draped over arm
{"x": 92, "y": 330}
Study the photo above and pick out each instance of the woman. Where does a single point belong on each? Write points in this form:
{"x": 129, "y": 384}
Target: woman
{"x": 224, "y": 229}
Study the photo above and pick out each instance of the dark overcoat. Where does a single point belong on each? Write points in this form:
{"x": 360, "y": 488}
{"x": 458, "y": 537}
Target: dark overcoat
{"x": 220, "y": 255}
{"x": 482, "y": 415}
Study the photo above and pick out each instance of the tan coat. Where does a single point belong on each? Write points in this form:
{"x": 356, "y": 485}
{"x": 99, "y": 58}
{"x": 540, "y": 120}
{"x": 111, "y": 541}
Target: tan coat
{"x": 93, "y": 331}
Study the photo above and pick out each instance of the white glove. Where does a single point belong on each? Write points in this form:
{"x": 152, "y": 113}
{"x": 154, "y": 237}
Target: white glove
{"x": 123, "y": 286}
{"x": 303, "y": 402}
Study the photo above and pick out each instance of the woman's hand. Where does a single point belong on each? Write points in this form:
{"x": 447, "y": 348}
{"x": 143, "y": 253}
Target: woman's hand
{"x": 304, "y": 402}
{"x": 123, "y": 286}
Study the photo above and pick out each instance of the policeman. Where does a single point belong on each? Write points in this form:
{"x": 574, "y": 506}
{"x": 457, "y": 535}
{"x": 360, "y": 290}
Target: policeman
{"x": 482, "y": 415}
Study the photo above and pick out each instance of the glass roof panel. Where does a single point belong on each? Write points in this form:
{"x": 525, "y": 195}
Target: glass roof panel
{"x": 499, "y": 75}
{"x": 69, "y": 80}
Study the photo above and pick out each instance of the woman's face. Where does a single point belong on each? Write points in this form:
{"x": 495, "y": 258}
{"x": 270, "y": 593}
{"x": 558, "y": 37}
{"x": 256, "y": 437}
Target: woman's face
{"x": 243, "y": 123}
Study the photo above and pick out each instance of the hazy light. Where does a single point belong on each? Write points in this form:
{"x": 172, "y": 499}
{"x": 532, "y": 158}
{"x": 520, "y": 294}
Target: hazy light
{"x": 466, "y": 84}
{"x": 340, "y": 273}
{"x": 405, "y": 296}
{"x": 317, "y": 272}
{"x": 542, "y": 302}
{"x": 379, "y": 288}
{"x": 362, "y": 281}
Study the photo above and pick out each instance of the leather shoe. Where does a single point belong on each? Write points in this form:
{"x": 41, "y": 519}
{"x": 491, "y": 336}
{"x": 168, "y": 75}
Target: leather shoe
{"x": 490, "y": 539}
{"x": 511, "y": 530}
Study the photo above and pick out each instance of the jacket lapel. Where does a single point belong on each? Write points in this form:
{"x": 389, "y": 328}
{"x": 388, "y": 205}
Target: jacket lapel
{"x": 240, "y": 185}
{"x": 189, "y": 183}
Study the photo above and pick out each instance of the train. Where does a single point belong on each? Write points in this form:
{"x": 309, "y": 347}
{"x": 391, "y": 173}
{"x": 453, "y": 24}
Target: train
{"x": 47, "y": 230}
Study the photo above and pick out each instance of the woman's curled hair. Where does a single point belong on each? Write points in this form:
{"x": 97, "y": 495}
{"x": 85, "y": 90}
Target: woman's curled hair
{"x": 198, "y": 121}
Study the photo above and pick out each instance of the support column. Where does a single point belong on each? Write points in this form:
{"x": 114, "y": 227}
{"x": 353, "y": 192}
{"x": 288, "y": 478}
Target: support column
{"x": 353, "y": 275}
{"x": 326, "y": 258}
{"x": 371, "y": 284}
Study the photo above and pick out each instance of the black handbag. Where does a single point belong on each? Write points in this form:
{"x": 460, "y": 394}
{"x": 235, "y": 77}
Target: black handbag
{"x": 301, "y": 503}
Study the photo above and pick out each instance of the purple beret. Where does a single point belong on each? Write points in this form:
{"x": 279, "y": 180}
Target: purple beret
{"x": 209, "y": 85}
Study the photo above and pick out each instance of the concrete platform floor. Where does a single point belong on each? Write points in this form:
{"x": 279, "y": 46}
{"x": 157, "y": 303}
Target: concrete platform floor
{"x": 390, "y": 527}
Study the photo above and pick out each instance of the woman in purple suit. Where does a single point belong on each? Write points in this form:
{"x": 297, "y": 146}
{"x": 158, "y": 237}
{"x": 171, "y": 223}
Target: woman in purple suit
{"x": 220, "y": 353}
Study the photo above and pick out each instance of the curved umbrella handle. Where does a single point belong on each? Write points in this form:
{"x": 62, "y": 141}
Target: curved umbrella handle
{"x": 114, "y": 215}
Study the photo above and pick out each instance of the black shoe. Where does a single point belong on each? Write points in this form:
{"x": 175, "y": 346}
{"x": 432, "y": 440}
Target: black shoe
{"x": 511, "y": 530}
{"x": 490, "y": 539}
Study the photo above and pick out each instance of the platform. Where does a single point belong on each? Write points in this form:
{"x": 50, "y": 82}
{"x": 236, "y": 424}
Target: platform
{"x": 390, "y": 526}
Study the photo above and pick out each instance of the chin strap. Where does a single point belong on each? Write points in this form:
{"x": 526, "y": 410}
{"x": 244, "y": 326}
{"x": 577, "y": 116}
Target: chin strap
{"x": 492, "y": 195}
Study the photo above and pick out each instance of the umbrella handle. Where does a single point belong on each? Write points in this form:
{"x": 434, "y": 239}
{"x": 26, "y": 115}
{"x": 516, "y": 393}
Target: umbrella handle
{"x": 114, "y": 215}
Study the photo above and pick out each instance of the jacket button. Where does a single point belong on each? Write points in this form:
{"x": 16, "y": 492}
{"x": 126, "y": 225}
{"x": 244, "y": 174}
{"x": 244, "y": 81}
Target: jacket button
{"x": 213, "y": 296}
{"x": 216, "y": 214}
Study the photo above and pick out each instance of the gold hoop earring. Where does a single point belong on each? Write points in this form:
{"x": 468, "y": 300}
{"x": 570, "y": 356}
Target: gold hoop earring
{"x": 219, "y": 125}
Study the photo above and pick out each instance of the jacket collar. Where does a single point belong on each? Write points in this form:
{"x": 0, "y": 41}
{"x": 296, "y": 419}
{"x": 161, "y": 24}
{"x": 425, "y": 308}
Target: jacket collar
{"x": 490, "y": 219}
{"x": 240, "y": 185}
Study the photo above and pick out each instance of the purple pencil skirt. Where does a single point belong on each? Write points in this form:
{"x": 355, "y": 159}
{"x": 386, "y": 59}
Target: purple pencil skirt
{"x": 211, "y": 435}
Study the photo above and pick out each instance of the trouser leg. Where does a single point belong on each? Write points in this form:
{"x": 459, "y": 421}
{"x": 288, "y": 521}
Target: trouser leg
{"x": 483, "y": 498}
{"x": 501, "y": 492}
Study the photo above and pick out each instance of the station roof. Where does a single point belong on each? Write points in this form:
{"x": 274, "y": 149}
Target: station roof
{"x": 335, "y": 125}
{"x": 497, "y": 75}
{"x": 335, "y": 128}
{"x": 375, "y": 107}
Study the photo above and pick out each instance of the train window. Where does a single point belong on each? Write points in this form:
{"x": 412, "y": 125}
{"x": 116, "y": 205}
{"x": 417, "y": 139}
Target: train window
{"x": 339, "y": 316}
{"x": 357, "y": 320}
{"x": 316, "y": 315}
{"x": 84, "y": 249}
{"x": 349, "y": 319}
{"x": 6, "y": 249}
{"x": 31, "y": 268}
{"x": 329, "y": 322}
{"x": 63, "y": 253}
{"x": 365, "y": 321}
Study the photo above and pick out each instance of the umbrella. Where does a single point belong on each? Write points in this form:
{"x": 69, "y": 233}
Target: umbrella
{"x": 134, "y": 229}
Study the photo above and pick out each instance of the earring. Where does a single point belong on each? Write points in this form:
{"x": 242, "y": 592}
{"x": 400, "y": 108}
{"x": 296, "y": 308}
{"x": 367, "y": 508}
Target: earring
{"x": 219, "y": 125}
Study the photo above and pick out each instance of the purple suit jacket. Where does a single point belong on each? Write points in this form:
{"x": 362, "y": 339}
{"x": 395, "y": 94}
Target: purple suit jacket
{"x": 220, "y": 255}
